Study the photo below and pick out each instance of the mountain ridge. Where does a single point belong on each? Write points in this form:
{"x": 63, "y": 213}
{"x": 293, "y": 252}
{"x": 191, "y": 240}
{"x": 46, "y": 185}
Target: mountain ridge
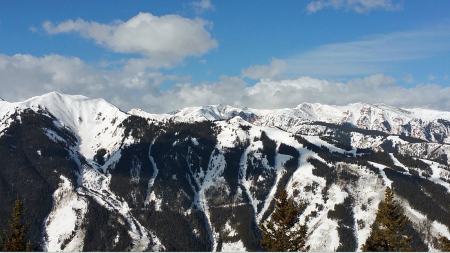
{"x": 425, "y": 114}
{"x": 425, "y": 124}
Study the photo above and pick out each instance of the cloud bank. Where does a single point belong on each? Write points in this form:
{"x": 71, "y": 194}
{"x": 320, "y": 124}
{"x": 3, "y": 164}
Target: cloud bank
{"x": 268, "y": 94}
{"x": 24, "y": 76}
{"x": 163, "y": 41}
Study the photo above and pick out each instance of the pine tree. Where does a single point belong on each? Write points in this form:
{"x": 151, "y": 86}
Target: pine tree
{"x": 389, "y": 232}
{"x": 283, "y": 233}
{"x": 445, "y": 244}
{"x": 16, "y": 241}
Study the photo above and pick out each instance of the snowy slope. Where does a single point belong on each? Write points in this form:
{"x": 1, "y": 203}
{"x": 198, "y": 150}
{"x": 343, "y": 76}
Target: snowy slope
{"x": 94, "y": 121}
{"x": 201, "y": 113}
{"x": 152, "y": 116}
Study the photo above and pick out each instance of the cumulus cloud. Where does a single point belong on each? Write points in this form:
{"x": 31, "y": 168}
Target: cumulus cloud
{"x": 202, "y": 6}
{"x": 162, "y": 40}
{"x": 359, "y": 6}
{"x": 275, "y": 68}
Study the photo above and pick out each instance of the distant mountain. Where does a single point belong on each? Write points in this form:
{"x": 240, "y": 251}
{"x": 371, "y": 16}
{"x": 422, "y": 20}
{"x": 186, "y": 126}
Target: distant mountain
{"x": 202, "y": 178}
{"x": 430, "y": 125}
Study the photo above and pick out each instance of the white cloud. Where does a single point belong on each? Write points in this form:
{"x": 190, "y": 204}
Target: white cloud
{"x": 202, "y": 6}
{"x": 408, "y": 77}
{"x": 431, "y": 77}
{"x": 275, "y": 68}
{"x": 359, "y": 6}
{"x": 373, "y": 54}
{"x": 228, "y": 90}
{"x": 164, "y": 40}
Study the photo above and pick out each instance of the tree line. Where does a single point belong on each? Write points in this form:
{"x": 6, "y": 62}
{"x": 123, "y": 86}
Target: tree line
{"x": 282, "y": 232}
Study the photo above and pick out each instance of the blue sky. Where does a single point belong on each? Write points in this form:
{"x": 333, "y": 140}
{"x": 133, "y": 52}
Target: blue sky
{"x": 163, "y": 55}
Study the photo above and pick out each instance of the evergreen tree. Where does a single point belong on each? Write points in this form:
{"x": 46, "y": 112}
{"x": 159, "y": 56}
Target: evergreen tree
{"x": 389, "y": 232}
{"x": 282, "y": 232}
{"x": 17, "y": 240}
{"x": 445, "y": 244}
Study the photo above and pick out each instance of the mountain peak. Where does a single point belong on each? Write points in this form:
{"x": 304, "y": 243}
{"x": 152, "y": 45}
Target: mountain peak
{"x": 85, "y": 116}
{"x": 56, "y": 101}
{"x": 59, "y": 97}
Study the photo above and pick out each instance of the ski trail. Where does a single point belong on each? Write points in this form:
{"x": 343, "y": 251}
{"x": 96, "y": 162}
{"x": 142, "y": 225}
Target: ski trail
{"x": 197, "y": 201}
{"x": 273, "y": 189}
{"x": 244, "y": 182}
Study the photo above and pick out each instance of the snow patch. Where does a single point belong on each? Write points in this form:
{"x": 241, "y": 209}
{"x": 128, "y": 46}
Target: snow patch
{"x": 396, "y": 140}
{"x": 194, "y": 141}
{"x": 233, "y": 247}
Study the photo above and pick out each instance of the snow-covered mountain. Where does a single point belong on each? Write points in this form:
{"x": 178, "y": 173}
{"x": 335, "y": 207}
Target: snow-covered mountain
{"x": 430, "y": 125}
{"x": 203, "y": 178}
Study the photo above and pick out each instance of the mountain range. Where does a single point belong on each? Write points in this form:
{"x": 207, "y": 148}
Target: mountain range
{"x": 95, "y": 178}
